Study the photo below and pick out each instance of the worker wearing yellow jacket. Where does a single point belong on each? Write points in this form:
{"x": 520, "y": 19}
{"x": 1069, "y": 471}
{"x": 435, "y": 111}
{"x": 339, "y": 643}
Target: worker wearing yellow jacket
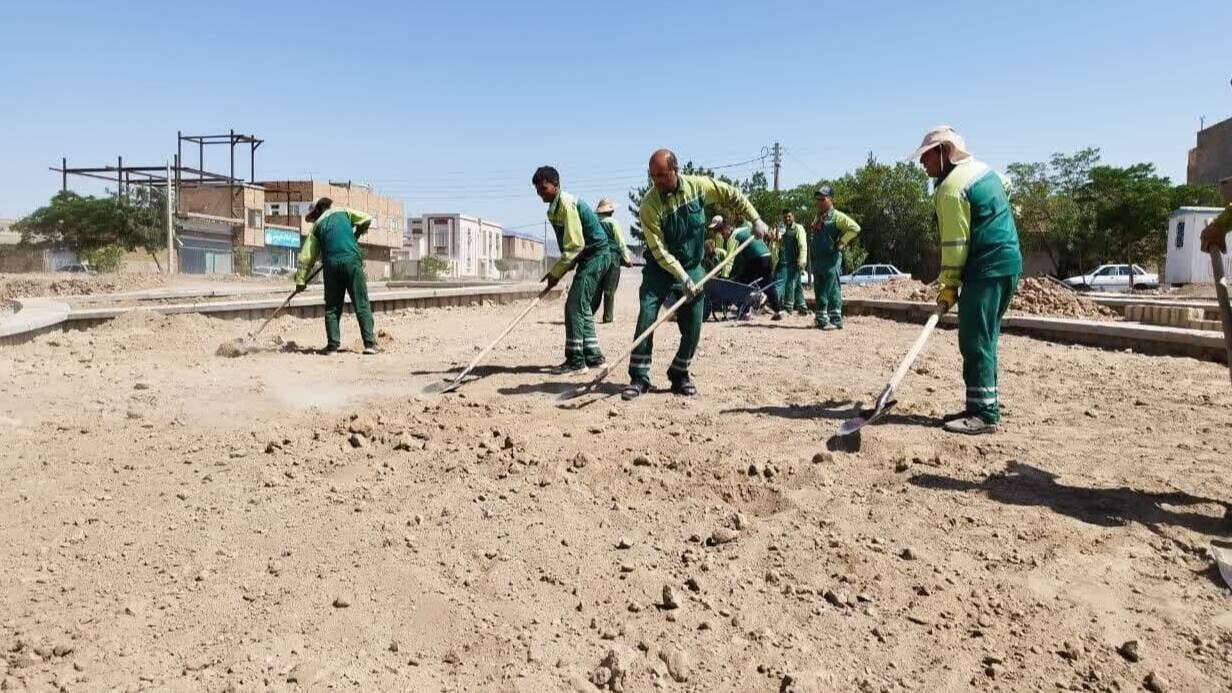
{"x": 793, "y": 259}
{"x": 583, "y": 244}
{"x": 979, "y": 255}
{"x": 673, "y": 220}
{"x": 831, "y": 233}
{"x": 333, "y": 239}
{"x": 620, "y": 258}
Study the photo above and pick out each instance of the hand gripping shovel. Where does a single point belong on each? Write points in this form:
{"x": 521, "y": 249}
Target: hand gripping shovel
{"x": 667, "y": 315}
{"x": 1225, "y": 310}
{"x": 457, "y": 382}
{"x": 884, "y": 402}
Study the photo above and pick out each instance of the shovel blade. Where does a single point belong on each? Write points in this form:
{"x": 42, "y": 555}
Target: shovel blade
{"x": 866, "y": 417}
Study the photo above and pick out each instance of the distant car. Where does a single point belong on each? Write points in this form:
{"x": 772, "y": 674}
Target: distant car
{"x": 270, "y": 271}
{"x": 75, "y": 268}
{"x": 873, "y": 274}
{"x": 1113, "y": 278}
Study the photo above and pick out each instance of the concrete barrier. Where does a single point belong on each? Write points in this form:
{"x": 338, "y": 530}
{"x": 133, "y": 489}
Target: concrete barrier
{"x": 32, "y": 317}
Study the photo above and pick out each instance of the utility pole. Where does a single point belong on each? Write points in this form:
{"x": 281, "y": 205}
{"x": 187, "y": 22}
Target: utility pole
{"x": 170, "y": 225}
{"x": 777, "y": 155}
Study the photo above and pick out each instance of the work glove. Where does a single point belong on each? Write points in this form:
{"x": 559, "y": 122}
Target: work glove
{"x": 946, "y": 298}
{"x": 760, "y": 229}
{"x": 552, "y": 281}
{"x": 1214, "y": 238}
{"x": 690, "y": 289}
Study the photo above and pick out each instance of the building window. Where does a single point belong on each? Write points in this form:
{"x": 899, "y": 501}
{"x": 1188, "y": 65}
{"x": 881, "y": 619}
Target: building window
{"x": 1180, "y": 234}
{"x": 254, "y": 218}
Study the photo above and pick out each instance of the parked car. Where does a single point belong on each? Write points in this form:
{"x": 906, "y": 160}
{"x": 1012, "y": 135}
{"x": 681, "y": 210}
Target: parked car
{"x": 264, "y": 271}
{"x": 1113, "y": 278}
{"x": 873, "y": 274}
{"x": 75, "y": 268}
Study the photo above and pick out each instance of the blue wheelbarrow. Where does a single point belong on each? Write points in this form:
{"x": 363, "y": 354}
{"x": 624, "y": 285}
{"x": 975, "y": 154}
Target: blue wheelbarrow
{"x": 725, "y": 296}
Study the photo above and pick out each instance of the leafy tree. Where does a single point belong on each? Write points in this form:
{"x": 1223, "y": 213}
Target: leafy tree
{"x": 502, "y": 265}
{"x": 1130, "y": 207}
{"x": 433, "y": 267}
{"x": 1047, "y": 210}
{"x": 133, "y": 221}
{"x": 105, "y": 259}
{"x": 897, "y": 221}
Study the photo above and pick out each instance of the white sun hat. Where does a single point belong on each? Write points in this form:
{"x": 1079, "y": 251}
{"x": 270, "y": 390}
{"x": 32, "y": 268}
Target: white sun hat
{"x": 943, "y": 134}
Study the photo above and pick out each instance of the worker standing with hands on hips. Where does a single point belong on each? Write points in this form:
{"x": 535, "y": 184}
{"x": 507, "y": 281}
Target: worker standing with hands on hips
{"x": 980, "y": 256}
{"x": 620, "y": 258}
{"x": 334, "y": 239}
{"x": 673, "y": 220}
{"x": 793, "y": 259}
{"x": 831, "y": 233}
{"x": 583, "y": 243}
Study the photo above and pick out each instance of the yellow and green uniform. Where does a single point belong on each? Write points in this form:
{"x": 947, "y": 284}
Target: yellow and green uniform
{"x": 830, "y": 235}
{"x": 776, "y": 246}
{"x": 753, "y": 264}
{"x": 674, "y": 225}
{"x": 334, "y": 239}
{"x": 980, "y": 254}
{"x": 793, "y": 258}
{"x": 610, "y": 281}
{"x": 583, "y": 243}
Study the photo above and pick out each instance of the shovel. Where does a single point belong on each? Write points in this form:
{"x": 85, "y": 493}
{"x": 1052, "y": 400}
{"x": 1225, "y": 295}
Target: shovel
{"x": 1225, "y": 310}
{"x": 243, "y": 345}
{"x": 884, "y": 401}
{"x": 457, "y": 381}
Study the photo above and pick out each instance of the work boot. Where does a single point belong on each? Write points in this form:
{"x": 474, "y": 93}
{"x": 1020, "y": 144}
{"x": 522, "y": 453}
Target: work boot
{"x": 822, "y": 325}
{"x": 596, "y": 362}
{"x": 802, "y": 312}
{"x": 635, "y": 389}
{"x": 684, "y": 386}
{"x": 970, "y": 425}
{"x": 830, "y": 327}
{"x": 568, "y": 368}
{"x": 370, "y": 351}
{"x": 329, "y": 349}
{"x": 777, "y": 316}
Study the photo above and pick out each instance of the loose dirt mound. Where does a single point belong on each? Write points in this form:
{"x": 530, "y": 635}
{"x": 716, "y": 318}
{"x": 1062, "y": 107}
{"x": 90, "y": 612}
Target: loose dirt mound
{"x": 1042, "y": 297}
{"x": 28, "y": 285}
{"x": 1035, "y": 296}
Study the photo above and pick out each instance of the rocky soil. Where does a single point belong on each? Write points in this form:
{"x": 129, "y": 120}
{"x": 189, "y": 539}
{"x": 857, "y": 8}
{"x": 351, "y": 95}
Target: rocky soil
{"x": 174, "y": 520}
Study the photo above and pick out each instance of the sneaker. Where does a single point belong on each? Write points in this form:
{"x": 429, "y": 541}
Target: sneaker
{"x": 802, "y": 312}
{"x": 954, "y": 417}
{"x": 970, "y": 425}
{"x": 635, "y": 389}
{"x": 684, "y": 386}
{"x": 822, "y": 325}
{"x": 567, "y": 368}
{"x": 830, "y": 327}
{"x": 329, "y": 349}
{"x": 370, "y": 351}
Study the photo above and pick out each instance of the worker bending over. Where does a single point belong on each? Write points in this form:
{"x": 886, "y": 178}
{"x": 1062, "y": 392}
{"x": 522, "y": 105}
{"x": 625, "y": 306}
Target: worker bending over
{"x": 334, "y": 239}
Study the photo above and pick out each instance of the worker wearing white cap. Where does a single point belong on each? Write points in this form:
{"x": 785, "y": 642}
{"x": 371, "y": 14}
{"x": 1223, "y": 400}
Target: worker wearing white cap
{"x": 723, "y": 245}
{"x": 610, "y": 281}
{"x": 980, "y": 255}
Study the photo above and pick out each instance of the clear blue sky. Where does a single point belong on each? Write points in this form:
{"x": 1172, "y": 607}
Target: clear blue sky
{"x": 450, "y": 106}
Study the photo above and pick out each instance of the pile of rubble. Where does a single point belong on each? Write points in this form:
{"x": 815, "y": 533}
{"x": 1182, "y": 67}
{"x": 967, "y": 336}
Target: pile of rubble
{"x": 1040, "y": 296}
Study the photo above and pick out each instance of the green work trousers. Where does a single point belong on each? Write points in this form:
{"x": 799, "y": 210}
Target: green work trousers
{"x": 793, "y": 288}
{"x": 608, "y": 283}
{"x": 656, "y": 285}
{"x": 827, "y": 292}
{"x": 581, "y": 340}
{"x": 981, "y": 304}
{"x": 340, "y": 280}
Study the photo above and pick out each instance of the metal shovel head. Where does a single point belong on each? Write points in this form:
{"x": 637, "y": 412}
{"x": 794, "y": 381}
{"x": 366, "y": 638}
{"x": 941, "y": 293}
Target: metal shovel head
{"x": 865, "y": 418}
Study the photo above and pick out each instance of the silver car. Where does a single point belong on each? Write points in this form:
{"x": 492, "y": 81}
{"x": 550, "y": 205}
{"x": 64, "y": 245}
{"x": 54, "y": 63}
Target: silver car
{"x": 873, "y": 274}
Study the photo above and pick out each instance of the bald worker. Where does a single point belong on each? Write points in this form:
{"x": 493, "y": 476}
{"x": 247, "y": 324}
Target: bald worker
{"x": 673, "y": 220}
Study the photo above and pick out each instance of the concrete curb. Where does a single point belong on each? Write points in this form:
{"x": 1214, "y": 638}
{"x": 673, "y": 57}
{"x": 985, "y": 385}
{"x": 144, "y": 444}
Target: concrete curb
{"x": 1146, "y": 339}
{"x": 33, "y": 316}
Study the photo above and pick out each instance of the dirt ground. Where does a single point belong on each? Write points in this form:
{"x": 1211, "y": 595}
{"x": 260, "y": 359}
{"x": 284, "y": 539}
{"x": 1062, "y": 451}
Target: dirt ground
{"x": 174, "y": 520}
{"x": 70, "y": 285}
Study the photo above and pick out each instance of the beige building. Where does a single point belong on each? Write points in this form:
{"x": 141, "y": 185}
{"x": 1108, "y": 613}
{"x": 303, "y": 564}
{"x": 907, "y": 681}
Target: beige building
{"x": 286, "y": 203}
{"x": 215, "y": 223}
{"x": 470, "y": 245}
{"x": 524, "y": 258}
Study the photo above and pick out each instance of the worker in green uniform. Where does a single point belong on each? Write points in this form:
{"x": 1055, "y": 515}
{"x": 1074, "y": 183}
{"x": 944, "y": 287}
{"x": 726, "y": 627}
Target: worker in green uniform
{"x": 620, "y": 258}
{"x": 774, "y": 241}
{"x": 752, "y": 264}
{"x": 333, "y": 239}
{"x": 793, "y": 259}
{"x": 831, "y": 233}
{"x": 673, "y": 220}
{"x": 583, "y": 244}
{"x": 979, "y": 255}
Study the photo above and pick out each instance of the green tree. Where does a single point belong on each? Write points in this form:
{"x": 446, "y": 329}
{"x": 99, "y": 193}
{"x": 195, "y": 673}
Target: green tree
{"x": 133, "y": 221}
{"x": 502, "y": 265}
{"x": 433, "y": 267}
{"x": 1130, "y": 208}
{"x": 1048, "y": 211}
{"x": 897, "y": 221}
{"x": 688, "y": 169}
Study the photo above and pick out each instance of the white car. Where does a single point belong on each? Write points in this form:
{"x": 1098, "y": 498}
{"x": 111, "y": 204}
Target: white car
{"x": 1114, "y": 278}
{"x": 873, "y": 274}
